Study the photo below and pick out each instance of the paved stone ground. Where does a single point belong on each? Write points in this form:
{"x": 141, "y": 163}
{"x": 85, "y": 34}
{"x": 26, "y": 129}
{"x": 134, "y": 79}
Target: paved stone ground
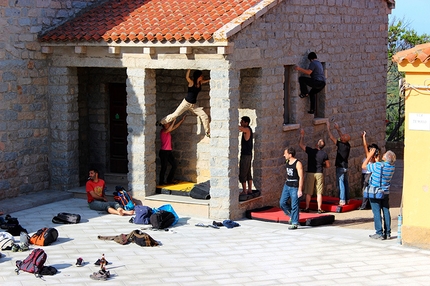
{"x": 256, "y": 253}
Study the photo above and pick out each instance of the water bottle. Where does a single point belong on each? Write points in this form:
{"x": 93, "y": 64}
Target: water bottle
{"x": 399, "y": 229}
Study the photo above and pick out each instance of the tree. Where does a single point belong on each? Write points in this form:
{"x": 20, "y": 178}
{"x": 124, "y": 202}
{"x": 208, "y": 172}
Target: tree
{"x": 400, "y": 37}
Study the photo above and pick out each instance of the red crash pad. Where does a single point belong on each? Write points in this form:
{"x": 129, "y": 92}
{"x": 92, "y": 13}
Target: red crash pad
{"x": 331, "y": 204}
{"x": 276, "y": 214}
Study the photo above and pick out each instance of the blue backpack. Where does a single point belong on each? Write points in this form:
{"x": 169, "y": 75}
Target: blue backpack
{"x": 123, "y": 198}
{"x": 143, "y": 213}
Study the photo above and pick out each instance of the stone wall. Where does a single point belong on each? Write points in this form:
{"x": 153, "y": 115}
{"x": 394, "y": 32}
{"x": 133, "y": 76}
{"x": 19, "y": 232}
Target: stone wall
{"x": 350, "y": 38}
{"x": 24, "y": 121}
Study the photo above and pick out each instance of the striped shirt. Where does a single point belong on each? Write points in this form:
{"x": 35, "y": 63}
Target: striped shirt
{"x": 382, "y": 172}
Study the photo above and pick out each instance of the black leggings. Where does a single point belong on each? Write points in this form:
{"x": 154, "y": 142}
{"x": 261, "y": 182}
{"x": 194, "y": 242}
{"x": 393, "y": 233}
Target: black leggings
{"x": 166, "y": 156}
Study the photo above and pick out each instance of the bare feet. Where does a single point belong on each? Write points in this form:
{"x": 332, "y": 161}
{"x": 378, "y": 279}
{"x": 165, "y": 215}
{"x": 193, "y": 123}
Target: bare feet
{"x": 120, "y": 211}
{"x": 128, "y": 212}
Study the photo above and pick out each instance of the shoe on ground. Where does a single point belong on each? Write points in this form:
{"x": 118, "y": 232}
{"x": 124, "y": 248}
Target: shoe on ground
{"x": 320, "y": 211}
{"x": 303, "y": 95}
{"x": 293, "y": 226}
{"x": 98, "y": 262}
{"x": 387, "y": 237}
{"x": 79, "y": 262}
{"x": 99, "y": 276}
{"x": 15, "y": 248}
{"x": 377, "y": 236}
{"x": 304, "y": 210}
{"x": 208, "y": 135}
{"x": 311, "y": 111}
{"x": 23, "y": 247}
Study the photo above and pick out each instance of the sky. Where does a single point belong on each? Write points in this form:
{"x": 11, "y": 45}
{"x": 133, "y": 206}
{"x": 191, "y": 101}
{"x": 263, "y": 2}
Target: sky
{"x": 414, "y": 12}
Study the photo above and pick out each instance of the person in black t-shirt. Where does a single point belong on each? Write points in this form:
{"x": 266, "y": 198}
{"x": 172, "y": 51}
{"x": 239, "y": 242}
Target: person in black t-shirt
{"x": 317, "y": 161}
{"x": 190, "y": 101}
{"x": 245, "y": 155}
{"x": 341, "y": 163}
{"x": 292, "y": 188}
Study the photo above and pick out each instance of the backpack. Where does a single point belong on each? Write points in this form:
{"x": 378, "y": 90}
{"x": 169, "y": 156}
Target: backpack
{"x": 44, "y": 236}
{"x": 6, "y": 241}
{"x": 162, "y": 219}
{"x": 66, "y": 218}
{"x": 123, "y": 198}
{"x": 143, "y": 214}
{"x": 33, "y": 263}
{"x": 12, "y": 226}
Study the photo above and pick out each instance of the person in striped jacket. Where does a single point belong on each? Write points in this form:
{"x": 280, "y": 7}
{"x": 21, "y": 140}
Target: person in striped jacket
{"x": 382, "y": 173}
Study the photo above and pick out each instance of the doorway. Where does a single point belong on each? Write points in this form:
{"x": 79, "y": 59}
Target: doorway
{"x": 118, "y": 160}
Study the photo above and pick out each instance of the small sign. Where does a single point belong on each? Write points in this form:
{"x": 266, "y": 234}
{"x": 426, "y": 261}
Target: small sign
{"x": 419, "y": 121}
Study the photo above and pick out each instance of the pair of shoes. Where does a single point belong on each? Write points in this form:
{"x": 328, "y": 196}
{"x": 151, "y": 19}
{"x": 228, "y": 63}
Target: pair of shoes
{"x": 101, "y": 275}
{"x": 377, "y": 236}
{"x": 320, "y": 211}
{"x": 98, "y": 262}
{"x": 304, "y": 210}
{"x": 293, "y": 226}
{"x": 311, "y": 111}
{"x": 23, "y": 247}
{"x": 303, "y": 95}
{"x": 15, "y": 248}
{"x": 217, "y": 223}
{"x": 208, "y": 135}
{"x": 79, "y": 262}
{"x": 209, "y": 225}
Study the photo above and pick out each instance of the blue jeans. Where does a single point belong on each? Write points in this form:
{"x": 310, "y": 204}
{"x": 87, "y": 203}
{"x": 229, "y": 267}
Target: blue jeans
{"x": 342, "y": 183}
{"x": 377, "y": 206}
{"x": 291, "y": 210}
{"x": 103, "y": 206}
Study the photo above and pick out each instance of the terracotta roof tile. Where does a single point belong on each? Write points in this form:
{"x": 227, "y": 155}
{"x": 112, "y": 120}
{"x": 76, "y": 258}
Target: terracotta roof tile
{"x": 419, "y": 52}
{"x": 149, "y": 20}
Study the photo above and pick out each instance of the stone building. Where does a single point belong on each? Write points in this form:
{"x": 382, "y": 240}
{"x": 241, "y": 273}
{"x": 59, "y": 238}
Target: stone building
{"x": 84, "y": 82}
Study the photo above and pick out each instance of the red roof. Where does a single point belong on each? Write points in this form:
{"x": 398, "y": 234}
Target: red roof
{"x": 150, "y": 20}
{"x": 419, "y": 52}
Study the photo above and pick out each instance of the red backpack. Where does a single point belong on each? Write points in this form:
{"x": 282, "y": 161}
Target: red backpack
{"x": 33, "y": 263}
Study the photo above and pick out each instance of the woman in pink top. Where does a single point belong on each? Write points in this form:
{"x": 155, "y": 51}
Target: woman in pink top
{"x": 166, "y": 154}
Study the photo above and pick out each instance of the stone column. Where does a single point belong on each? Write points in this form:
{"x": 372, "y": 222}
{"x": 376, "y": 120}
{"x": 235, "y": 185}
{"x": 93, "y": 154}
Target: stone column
{"x": 224, "y": 99}
{"x": 141, "y": 97}
{"x": 63, "y": 120}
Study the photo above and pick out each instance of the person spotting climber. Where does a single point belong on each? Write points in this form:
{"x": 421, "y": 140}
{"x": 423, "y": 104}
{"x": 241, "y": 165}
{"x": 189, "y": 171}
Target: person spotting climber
{"x": 189, "y": 102}
{"x": 316, "y": 80}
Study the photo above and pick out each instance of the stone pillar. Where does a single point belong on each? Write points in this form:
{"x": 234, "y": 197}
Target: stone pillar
{"x": 64, "y": 131}
{"x": 224, "y": 99}
{"x": 141, "y": 97}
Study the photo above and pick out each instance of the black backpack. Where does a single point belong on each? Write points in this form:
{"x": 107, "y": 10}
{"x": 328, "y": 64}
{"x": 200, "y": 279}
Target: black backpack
{"x": 162, "y": 219}
{"x": 33, "y": 263}
{"x": 66, "y": 218}
{"x": 12, "y": 226}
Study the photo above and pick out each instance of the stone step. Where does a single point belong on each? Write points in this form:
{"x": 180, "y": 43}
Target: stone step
{"x": 116, "y": 179}
{"x": 183, "y": 205}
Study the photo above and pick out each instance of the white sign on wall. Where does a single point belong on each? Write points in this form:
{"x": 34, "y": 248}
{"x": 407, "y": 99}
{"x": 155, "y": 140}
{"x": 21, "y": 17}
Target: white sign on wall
{"x": 419, "y": 121}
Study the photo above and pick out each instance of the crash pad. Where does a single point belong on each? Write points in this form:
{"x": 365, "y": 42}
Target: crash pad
{"x": 276, "y": 214}
{"x": 331, "y": 204}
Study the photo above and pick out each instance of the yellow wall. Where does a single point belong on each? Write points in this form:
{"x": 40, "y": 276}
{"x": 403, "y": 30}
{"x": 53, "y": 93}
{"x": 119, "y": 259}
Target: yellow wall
{"x": 416, "y": 184}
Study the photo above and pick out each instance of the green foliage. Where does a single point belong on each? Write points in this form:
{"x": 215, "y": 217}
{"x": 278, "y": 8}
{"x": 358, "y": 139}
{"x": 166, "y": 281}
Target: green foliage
{"x": 400, "y": 38}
